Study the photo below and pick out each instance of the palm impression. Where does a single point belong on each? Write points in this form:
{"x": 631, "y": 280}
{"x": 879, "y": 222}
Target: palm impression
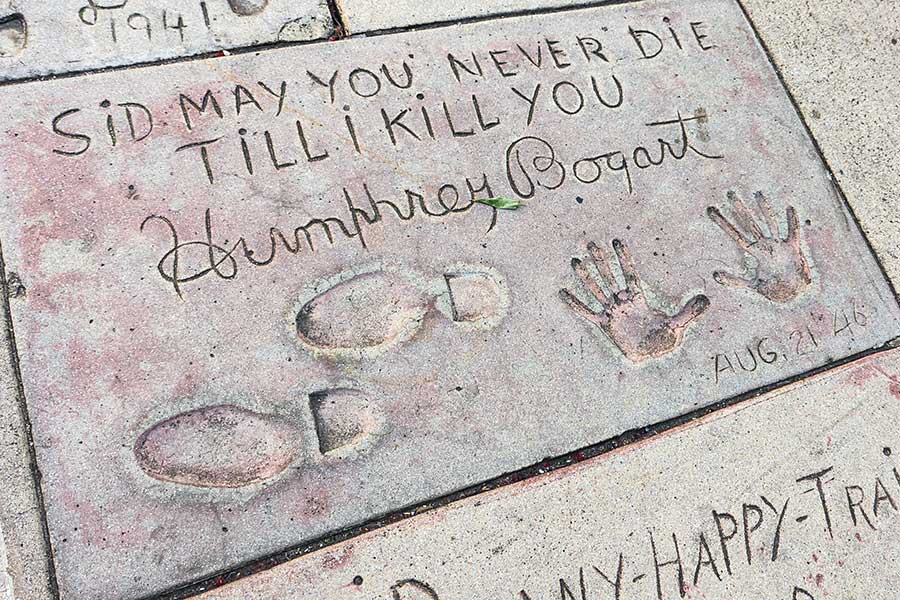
{"x": 782, "y": 271}
{"x": 639, "y": 330}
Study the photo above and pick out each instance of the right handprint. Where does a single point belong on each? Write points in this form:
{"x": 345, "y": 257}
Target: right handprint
{"x": 782, "y": 271}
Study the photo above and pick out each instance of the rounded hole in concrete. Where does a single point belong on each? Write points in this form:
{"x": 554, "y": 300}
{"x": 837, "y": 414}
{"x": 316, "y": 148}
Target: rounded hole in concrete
{"x": 13, "y": 35}
{"x": 246, "y": 8}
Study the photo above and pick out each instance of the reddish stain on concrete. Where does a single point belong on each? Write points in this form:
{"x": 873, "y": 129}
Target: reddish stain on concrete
{"x": 338, "y": 559}
{"x": 860, "y": 376}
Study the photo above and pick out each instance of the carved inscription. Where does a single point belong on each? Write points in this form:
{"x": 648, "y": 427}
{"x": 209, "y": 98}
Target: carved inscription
{"x": 275, "y": 280}
{"x": 122, "y": 23}
{"x": 41, "y": 37}
{"x": 376, "y": 105}
{"x": 772, "y": 349}
{"x": 815, "y": 512}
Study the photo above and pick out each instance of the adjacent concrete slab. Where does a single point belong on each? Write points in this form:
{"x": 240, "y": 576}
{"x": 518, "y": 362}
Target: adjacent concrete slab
{"x": 792, "y": 496}
{"x": 6, "y": 581}
{"x": 257, "y": 301}
{"x": 842, "y": 63}
{"x": 41, "y": 38}
{"x": 24, "y": 554}
{"x": 361, "y": 16}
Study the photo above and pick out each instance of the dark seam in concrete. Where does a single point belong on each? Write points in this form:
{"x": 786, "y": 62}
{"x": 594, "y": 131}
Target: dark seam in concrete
{"x": 29, "y": 436}
{"x": 627, "y": 438}
{"x": 818, "y": 148}
{"x": 512, "y": 14}
{"x": 337, "y": 19}
{"x": 212, "y": 54}
{"x": 340, "y": 31}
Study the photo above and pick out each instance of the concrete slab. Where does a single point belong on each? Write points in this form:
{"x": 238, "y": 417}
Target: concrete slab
{"x": 43, "y": 38}
{"x": 24, "y": 554}
{"x": 840, "y": 61}
{"x": 361, "y": 16}
{"x": 791, "y": 496}
{"x": 6, "y": 582}
{"x": 837, "y": 62}
{"x": 302, "y": 358}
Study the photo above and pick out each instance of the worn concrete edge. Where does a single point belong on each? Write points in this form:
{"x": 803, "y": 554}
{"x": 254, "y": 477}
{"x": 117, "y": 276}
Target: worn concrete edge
{"x": 834, "y": 180}
{"x": 339, "y": 33}
{"x": 550, "y": 464}
{"x": 25, "y": 421}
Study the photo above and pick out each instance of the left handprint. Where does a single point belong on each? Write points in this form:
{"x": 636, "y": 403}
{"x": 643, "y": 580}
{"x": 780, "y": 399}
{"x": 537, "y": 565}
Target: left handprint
{"x": 639, "y": 330}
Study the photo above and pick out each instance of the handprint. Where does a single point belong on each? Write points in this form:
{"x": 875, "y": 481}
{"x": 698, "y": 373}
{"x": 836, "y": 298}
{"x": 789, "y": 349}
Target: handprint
{"x": 639, "y": 330}
{"x": 782, "y": 271}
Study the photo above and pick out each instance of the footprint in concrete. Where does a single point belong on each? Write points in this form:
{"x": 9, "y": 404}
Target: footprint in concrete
{"x": 246, "y": 8}
{"x": 13, "y": 35}
{"x": 476, "y": 296}
{"x": 222, "y": 446}
{"x": 346, "y": 421}
{"x": 362, "y": 315}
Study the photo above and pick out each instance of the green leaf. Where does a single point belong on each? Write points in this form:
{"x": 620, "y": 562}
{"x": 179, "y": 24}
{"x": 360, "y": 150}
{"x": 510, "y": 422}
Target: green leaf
{"x": 501, "y": 203}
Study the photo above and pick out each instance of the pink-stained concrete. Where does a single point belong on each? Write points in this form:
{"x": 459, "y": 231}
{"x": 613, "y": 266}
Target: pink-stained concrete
{"x": 434, "y": 323}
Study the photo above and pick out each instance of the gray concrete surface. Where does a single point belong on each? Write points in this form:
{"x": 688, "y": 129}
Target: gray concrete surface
{"x": 38, "y": 37}
{"x": 791, "y": 496}
{"x": 837, "y": 57}
{"x": 362, "y": 16}
{"x": 24, "y": 571}
{"x": 840, "y": 61}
